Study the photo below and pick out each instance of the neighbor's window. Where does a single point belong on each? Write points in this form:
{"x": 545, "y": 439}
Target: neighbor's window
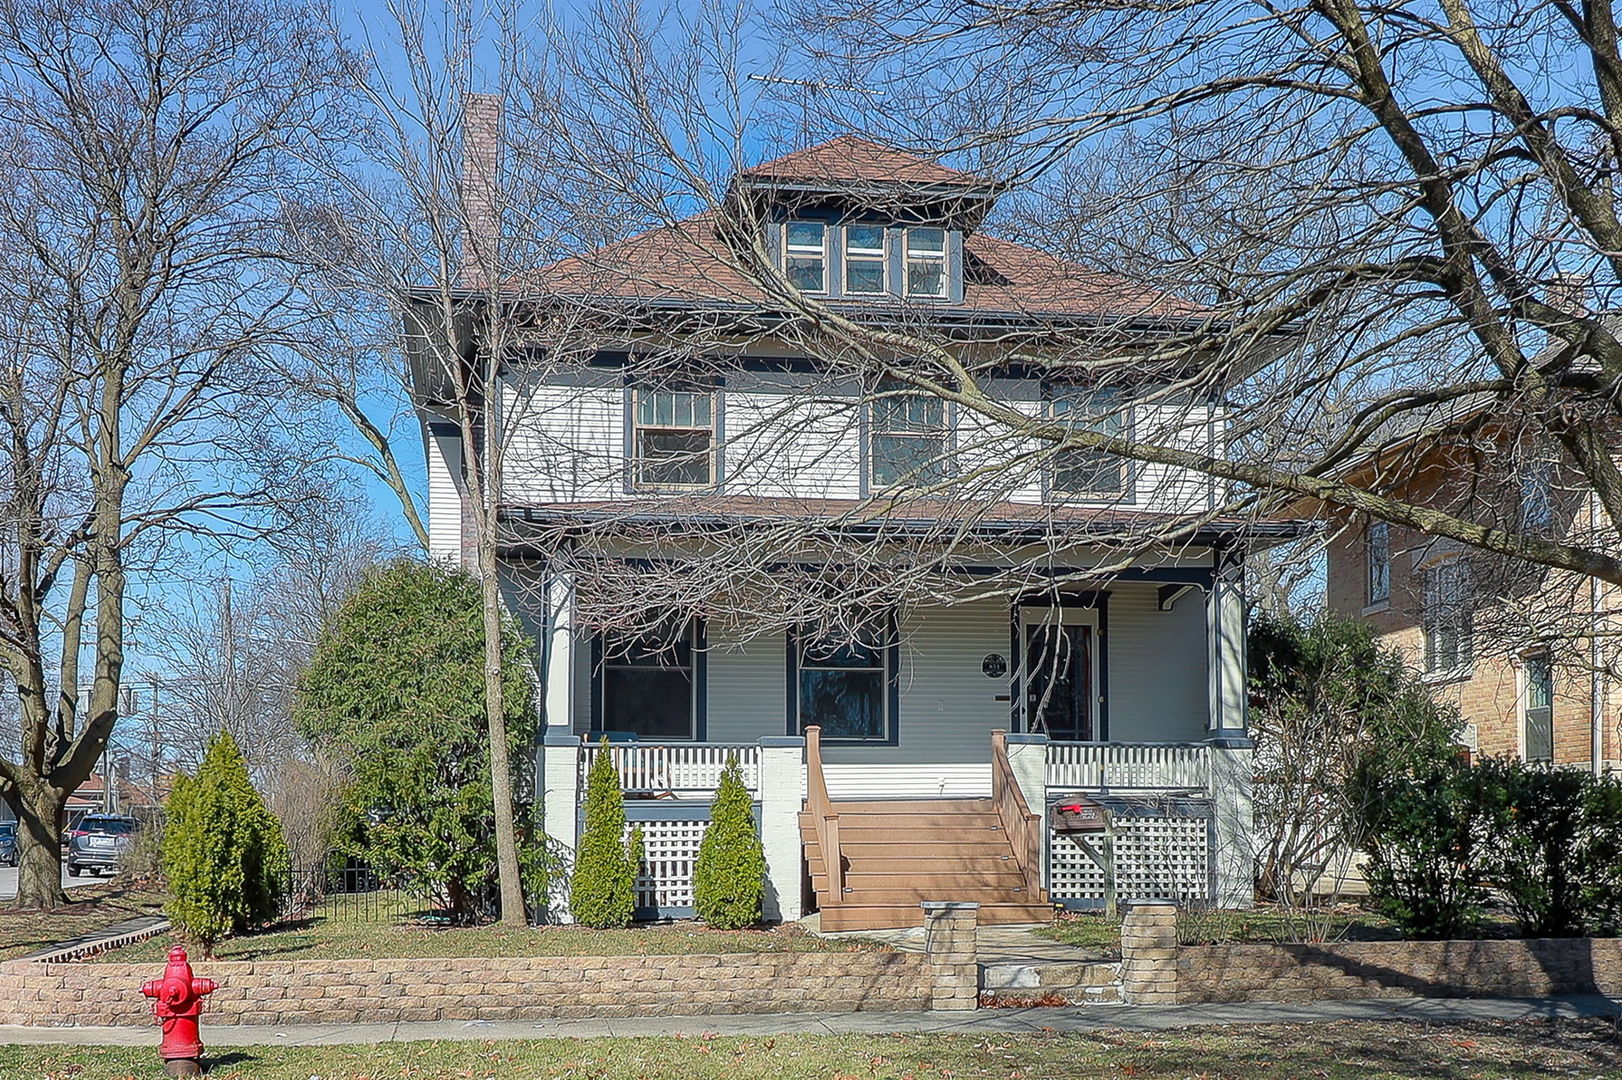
{"x": 805, "y": 255}
{"x": 648, "y": 684}
{"x": 1085, "y": 472}
{"x": 1537, "y": 497}
{"x": 1448, "y": 617}
{"x": 844, "y": 686}
{"x": 1377, "y": 549}
{"x": 1539, "y": 714}
{"x": 673, "y": 437}
{"x": 926, "y": 262}
{"x": 907, "y": 443}
{"x": 864, "y": 259}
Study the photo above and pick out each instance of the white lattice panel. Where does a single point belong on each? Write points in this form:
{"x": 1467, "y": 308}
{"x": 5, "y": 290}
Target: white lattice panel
{"x": 1154, "y": 857}
{"x": 669, "y": 849}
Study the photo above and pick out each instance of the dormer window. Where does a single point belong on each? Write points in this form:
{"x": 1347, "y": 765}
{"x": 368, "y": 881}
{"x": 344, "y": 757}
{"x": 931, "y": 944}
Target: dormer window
{"x": 805, "y": 255}
{"x": 864, "y": 259}
{"x": 926, "y": 262}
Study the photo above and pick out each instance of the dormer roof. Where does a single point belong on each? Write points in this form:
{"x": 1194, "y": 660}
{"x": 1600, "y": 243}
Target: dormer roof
{"x": 850, "y": 159}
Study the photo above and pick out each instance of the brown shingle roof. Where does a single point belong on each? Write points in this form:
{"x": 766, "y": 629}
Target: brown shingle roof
{"x": 849, "y": 159}
{"x": 685, "y": 263}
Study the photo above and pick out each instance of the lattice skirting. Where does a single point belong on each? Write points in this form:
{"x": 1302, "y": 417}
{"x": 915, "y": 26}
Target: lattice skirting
{"x": 671, "y": 834}
{"x": 1164, "y": 848}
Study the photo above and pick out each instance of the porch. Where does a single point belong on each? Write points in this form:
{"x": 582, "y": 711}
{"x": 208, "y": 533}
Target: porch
{"x": 1185, "y": 835}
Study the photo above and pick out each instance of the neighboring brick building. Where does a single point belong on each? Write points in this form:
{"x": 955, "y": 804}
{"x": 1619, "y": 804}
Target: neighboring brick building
{"x": 1512, "y": 646}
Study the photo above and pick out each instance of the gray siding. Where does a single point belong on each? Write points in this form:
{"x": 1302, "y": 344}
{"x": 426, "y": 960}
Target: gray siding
{"x": 1158, "y": 686}
{"x": 747, "y": 687}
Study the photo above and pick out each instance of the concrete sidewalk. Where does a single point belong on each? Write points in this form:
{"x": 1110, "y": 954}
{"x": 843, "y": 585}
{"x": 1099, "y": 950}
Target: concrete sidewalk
{"x": 1095, "y": 1018}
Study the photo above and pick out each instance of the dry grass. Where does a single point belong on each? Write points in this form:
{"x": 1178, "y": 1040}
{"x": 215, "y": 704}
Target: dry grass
{"x": 89, "y": 908}
{"x": 1586, "y": 1049}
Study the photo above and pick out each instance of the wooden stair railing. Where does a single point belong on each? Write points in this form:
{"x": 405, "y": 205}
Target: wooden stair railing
{"x": 824, "y": 817}
{"x": 1023, "y": 828}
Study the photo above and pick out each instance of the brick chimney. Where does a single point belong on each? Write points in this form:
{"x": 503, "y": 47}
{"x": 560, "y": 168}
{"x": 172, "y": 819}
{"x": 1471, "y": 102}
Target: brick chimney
{"x": 481, "y": 165}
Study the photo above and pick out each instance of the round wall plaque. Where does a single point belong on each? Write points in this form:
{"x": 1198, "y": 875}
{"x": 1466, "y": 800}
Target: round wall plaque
{"x": 994, "y": 666}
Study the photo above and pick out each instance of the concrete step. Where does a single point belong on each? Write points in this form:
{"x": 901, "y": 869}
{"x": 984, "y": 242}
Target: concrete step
{"x": 1079, "y": 983}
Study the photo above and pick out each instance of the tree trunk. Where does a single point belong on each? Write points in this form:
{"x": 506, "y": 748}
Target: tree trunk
{"x": 508, "y": 871}
{"x": 39, "y": 847}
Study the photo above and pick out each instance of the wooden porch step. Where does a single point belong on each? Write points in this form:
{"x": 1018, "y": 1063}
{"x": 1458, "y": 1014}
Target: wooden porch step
{"x": 944, "y": 863}
{"x": 884, "y": 916}
{"x": 913, "y": 806}
{"x": 853, "y": 831}
{"x": 912, "y": 879}
{"x": 924, "y": 851}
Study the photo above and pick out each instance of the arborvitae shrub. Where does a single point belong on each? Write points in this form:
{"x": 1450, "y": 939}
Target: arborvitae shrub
{"x": 602, "y": 892}
{"x": 223, "y": 852}
{"x": 729, "y": 876}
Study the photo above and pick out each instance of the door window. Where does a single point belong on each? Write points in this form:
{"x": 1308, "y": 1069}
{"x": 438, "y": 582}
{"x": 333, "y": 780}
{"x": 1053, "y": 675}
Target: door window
{"x": 1059, "y": 681}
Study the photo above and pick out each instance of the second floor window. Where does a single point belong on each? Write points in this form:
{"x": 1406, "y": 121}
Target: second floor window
{"x": 1086, "y": 472}
{"x": 1537, "y": 497}
{"x": 1449, "y": 619}
{"x": 805, "y": 255}
{"x": 908, "y": 441}
{"x": 926, "y": 262}
{"x": 1377, "y": 544}
{"x": 864, "y": 259}
{"x": 673, "y": 438}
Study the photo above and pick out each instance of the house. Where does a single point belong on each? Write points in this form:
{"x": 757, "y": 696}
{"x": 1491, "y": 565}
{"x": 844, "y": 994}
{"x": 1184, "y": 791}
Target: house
{"x": 1525, "y": 653}
{"x": 913, "y": 630}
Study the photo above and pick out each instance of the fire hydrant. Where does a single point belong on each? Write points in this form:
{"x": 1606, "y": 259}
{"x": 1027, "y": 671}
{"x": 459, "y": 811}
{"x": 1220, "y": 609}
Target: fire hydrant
{"x": 178, "y": 1002}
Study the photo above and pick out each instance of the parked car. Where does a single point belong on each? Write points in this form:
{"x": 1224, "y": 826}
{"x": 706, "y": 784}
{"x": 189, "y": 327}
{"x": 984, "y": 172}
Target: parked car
{"x": 8, "y": 843}
{"x": 99, "y": 843}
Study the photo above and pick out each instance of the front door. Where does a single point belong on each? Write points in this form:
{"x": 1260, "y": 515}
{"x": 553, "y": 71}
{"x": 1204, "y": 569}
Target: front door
{"x": 1059, "y": 681}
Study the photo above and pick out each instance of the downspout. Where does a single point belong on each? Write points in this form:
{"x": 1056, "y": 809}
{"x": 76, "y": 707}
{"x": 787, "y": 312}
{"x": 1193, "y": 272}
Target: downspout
{"x": 1596, "y": 679}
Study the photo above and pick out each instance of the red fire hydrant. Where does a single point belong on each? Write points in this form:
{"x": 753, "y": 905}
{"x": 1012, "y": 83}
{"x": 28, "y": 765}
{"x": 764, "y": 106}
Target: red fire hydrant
{"x": 178, "y": 1002}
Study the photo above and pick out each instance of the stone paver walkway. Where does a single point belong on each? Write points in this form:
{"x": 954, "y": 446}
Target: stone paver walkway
{"x": 1096, "y": 1018}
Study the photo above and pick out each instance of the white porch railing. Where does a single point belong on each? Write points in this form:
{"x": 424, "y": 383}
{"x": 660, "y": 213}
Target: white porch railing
{"x": 675, "y": 768}
{"x": 1130, "y": 766}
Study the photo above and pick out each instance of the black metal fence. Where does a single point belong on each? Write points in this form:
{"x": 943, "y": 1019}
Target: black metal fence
{"x": 345, "y": 890}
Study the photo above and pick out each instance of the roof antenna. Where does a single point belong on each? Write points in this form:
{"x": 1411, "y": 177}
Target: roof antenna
{"x": 813, "y": 88}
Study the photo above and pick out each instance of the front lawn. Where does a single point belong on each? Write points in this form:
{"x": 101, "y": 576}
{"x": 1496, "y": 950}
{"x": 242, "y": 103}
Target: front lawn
{"x": 1337, "y": 1051}
{"x": 89, "y": 908}
{"x": 332, "y": 930}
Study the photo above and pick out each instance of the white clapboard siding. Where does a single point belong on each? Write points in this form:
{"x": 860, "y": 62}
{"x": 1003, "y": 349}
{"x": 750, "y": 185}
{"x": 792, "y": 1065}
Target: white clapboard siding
{"x": 947, "y": 780}
{"x": 1158, "y": 686}
{"x": 444, "y": 461}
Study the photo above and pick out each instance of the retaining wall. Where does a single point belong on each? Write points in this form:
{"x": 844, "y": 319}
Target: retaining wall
{"x": 49, "y": 992}
{"x": 1156, "y": 969}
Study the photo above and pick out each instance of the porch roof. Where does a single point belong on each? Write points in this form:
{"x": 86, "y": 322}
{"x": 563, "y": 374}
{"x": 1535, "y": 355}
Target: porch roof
{"x": 911, "y": 517}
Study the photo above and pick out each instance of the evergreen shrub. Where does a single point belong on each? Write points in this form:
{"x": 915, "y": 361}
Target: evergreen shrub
{"x": 602, "y": 891}
{"x": 223, "y": 853}
{"x": 730, "y": 874}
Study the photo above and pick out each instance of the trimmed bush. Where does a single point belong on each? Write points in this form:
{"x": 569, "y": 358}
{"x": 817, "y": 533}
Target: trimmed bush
{"x": 1427, "y": 832}
{"x": 1556, "y": 850}
{"x": 729, "y": 878}
{"x": 223, "y": 852}
{"x": 602, "y": 892}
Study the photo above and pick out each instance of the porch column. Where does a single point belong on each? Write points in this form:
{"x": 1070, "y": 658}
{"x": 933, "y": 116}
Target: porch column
{"x": 782, "y": 796}
{"x": 559, "y": 660}
{"x": 1230, "y": 746}
{"x": 560, "y": 798}
{"x": 1028, "y": 758}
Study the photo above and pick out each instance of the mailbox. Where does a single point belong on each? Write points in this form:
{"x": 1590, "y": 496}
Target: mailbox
{"x": 1079, "y": 815}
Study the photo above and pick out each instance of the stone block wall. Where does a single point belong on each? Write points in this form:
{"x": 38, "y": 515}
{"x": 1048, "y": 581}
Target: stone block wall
{"x": 949, "y": 945}
{"x": 1156, "y": 970}
{"x": 540, "y": 988}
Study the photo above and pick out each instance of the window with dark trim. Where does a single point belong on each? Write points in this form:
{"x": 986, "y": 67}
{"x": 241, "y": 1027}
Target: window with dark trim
{"x": 907, "y": 438}
{"x": 1086, "y": 472}
{"x": 805, "y": 255}
{"x": 1449, "y": 618}
{"x": 648, "y": 684}
{"x": 864, "y": 260}
{"x": 925, "y": 261}
{"x": 1377, "y": 552}
{"x": 1539, "y": 708}
{"x": 846, "y": 683}
{"x": 673, "y": 436}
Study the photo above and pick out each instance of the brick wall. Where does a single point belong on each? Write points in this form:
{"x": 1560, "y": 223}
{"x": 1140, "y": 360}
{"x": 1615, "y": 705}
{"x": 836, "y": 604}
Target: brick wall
{"x": 1155, "y": 971}
{"x": 356, "y": 991}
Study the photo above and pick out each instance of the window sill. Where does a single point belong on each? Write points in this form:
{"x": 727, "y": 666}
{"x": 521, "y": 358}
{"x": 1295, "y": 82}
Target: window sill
{"x": 1376, "y": 608}
{"x": 1438, "y": 678}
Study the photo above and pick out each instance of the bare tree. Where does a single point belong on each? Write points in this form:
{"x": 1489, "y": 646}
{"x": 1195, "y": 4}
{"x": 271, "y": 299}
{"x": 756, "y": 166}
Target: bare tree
{"x": 143, "y": 292}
